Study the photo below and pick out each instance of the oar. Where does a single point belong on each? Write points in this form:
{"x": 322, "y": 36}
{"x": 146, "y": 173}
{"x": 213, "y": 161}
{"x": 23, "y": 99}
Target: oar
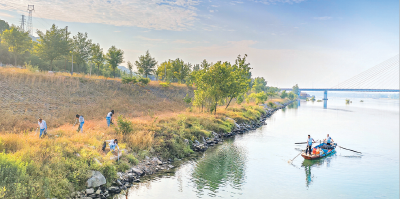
{"x": 349, "y": 149}
{"x": 290, "y": 161}
{"x": 301, "y": 143}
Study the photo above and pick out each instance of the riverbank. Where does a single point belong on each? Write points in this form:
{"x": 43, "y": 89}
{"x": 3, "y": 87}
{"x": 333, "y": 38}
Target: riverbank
{"x": 61, "y": 163}
{"x": 150, "y": 166}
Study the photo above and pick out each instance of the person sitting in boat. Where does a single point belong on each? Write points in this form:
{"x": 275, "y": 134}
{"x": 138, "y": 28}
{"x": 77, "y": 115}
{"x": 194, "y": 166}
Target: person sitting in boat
{"x": 328, "y": 140}
{"x": 310, "y": 140}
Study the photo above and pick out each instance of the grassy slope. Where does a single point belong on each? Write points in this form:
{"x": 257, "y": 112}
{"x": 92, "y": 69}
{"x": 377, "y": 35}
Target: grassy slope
{"x": 55, "y": 166}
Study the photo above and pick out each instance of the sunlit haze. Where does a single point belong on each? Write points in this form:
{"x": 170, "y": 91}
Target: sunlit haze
{"x": 313, "y": 43}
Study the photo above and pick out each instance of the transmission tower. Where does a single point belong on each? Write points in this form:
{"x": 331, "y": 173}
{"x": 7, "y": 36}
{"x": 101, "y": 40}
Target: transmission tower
{"x": 23, "y": 22}
{"x": 30, "y": 26}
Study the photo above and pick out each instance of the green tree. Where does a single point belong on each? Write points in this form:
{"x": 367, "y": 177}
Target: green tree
{"x": 259, "y": 85}
{"x": 260, "y": 97}
{"x": 3, "y": 26}
{"x": 164, "y": 71}
{"x": 239, "y": 79}
{"x": 146, "y": 64}
{"x": 17, "y": 41}
{"x": 212, "y": 82}
{"x": 81, "y": 46}
{"x": 204, "y": 64}
{"x": 53, "y": 44}
{"x": 295, "y": 89}
{"x": 180, "y": 69}
{"x": 284, "y": 94}
{"x": 97, "y": 56}
{"x": 114, "y": 57}
{"x": 291, "y": 96}
{"x": 130, "y": 67}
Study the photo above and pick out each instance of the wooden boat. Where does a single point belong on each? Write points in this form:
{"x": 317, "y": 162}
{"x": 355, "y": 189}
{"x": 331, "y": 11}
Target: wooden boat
{"x": 328, "y": 150}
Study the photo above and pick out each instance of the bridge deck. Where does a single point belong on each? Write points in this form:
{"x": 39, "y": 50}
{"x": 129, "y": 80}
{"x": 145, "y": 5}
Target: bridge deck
{"x": 339, "y": 89}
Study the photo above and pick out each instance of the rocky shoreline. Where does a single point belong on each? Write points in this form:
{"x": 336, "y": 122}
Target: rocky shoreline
{"x": 149, "y": 166}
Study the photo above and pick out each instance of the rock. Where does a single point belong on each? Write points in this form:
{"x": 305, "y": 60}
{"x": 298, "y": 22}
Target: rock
{"x": 89, "y": 191}
{"x": 137, "y": 171}
{"x": 96, "y": 180}
{"x": 113, "y": 189}
{"x": 98, "y": 192}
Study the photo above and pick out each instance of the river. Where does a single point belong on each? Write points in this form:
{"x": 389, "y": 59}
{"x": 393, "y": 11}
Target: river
{"x": 255, "y": 164}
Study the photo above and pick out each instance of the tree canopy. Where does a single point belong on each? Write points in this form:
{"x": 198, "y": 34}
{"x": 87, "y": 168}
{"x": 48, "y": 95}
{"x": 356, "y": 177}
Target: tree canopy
{"x": 114, "y": 57}
{"x": 53, "y": 44}
{"x": 146, "y": 64}
{"x": 17, "y": 41}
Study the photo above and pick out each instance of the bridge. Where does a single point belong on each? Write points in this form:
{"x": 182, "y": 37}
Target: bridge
{"x": 371, "y": 80}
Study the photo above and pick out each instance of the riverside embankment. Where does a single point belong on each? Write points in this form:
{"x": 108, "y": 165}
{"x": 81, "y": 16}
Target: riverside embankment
{"x": 152, "y": 165}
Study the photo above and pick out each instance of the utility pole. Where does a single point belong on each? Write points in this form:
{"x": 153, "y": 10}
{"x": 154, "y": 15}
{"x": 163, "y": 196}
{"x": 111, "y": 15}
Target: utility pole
{"x": 30, "y": 25}
{"x": 23, "y": 23}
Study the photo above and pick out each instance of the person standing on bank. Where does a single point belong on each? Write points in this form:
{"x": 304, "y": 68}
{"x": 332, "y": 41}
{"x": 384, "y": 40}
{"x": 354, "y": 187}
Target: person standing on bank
{"x": 42, "y": 126}
{"x": 310, "y": 140}
{"x": 109, "y": 118}
{"x": 81, "y": 121}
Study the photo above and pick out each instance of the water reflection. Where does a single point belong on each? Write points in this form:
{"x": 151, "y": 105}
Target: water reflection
{"x": 308, "y": 164}
{"x": 220, "y": 168}
{"x": 293, "y": 105}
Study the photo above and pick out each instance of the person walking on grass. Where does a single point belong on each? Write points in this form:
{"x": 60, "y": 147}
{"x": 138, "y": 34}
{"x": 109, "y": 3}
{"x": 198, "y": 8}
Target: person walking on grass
{"x": 42, "y": 126}
{"x": 109, "y": 118}
{"x": 81, "y": 120}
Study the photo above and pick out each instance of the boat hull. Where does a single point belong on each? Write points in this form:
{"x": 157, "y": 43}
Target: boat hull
{"x": 314, "y": 156}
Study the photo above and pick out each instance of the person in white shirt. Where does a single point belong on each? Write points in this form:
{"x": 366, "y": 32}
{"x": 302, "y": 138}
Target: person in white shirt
{"x": 81, "y": 121}
{"x": 109, "y": 118}
{"x": 310, "y": 140}
{"x": 42, "y": 126}
{"x": 328, "y": 140}
{"x": 113, "y": 144}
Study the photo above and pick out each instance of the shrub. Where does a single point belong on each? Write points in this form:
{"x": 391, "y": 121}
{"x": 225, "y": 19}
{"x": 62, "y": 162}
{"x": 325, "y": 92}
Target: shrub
{"x": 144, "y": 81}
{"x": 122, "y": 166}
{"x": 164, "y": 84}
{"x": 124, "y": 126}
{"x": 187, "y": 99}
{"x": 271, "y": 104}
{"x": 127, "y": 80}
{"x": 131, "y": 159}
{"x": 240, "y": 99}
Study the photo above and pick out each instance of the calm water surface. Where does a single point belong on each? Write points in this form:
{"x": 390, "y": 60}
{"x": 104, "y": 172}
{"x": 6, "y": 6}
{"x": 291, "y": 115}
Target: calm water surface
{"x": 255, "y": 165}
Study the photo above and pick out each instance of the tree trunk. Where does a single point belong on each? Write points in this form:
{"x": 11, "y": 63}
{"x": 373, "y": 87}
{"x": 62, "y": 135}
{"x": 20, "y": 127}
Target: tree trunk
{"x": 215, "y": 109}
{"x": 51, "y": 65}
{"x": 114, "y": 72}
{"x": 229, "y": 103}
{"x": 15, "y": 59}
{"x": 98, "y": 68}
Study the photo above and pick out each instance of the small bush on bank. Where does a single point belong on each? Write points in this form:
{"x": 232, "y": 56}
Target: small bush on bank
{"x": 164, "y": 84}
{"x": 127, "y": 80}
{"x": 131, "y": 159}
{"x": 125, "y": 126}
{"x": 144, "y": 81}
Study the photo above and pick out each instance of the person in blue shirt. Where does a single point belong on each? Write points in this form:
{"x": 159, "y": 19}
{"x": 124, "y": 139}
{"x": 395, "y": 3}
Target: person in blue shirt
{"x": 328, "y": 140}
{"x": 43, "y": 127}
{"x": 109, "y": 118}
{"x": 81, "y": 122}
{"x": 310, "y": 140}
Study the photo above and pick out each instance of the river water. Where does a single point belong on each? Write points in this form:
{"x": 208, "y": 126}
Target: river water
{"x": 255, "y": 164}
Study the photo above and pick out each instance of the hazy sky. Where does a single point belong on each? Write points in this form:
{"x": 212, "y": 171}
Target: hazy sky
{"x": 315, "y": 43}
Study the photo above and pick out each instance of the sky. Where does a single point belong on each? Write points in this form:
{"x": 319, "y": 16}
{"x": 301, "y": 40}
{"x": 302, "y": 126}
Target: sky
{"x": 313, "y": 43}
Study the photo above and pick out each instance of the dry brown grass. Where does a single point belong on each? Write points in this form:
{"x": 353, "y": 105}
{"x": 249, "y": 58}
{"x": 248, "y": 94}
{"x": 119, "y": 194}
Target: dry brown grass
{"x": 25, "y": 96}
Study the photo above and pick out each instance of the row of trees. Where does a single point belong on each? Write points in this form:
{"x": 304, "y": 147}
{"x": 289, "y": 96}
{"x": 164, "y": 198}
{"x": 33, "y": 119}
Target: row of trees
{"x": 55, "y": 48}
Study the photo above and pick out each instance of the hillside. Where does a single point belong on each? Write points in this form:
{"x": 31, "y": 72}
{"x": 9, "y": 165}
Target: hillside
{"x": 25, "y": 96}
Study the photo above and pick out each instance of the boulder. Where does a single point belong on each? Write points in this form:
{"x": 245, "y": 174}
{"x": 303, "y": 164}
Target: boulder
{"x": 96, "y": 180}
{"x": 113, "y": 189}
{"x": 137, "y": 171}
{"x": 89, "y": 191}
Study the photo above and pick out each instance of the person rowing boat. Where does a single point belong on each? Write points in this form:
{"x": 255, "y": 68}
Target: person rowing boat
{"x": 310, "y": 140}
{"x": 328, "y": 140}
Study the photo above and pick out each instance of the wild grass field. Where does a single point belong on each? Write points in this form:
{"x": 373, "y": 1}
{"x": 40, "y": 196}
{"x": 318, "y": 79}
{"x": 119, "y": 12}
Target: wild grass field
{"x": 150, "y": 120}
